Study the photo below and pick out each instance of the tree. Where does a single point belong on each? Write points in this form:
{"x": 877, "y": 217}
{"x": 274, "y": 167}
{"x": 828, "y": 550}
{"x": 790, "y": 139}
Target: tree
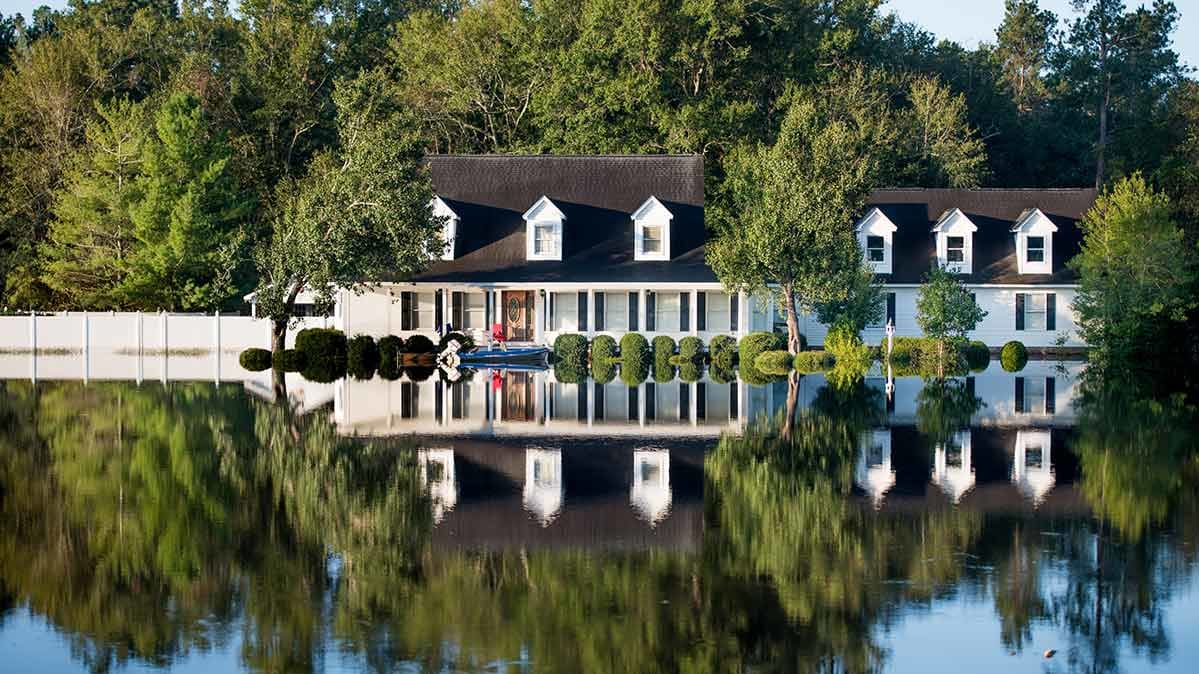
{"x": 863, "y": 304}
{"x": 785, "y": 224}
{"x": 91, "y": 236}
{"x": 362, "y": 212}
{"x": 187, "y": 217}
{"x": 938, "y": 145}
{"x": 1023, "y": 42}
{"x": 945, "y": 311}
{"x": 1136, "y": 272}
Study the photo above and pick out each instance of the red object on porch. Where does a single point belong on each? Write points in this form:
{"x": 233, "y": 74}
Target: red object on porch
{"x": 497, "y": 332}
{"x": 497, "y": 380}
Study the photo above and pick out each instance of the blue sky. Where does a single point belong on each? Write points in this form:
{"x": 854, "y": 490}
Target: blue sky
{"x": 965, "y": 21}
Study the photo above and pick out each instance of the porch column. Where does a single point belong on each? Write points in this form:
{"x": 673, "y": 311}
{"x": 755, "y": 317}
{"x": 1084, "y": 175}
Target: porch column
{"x": 694, "y": 400}
{"x": 641, "y": 404}
{"x": 446, "y": 305}
{"x": 540, "y": 309}
{"x": 590, "y": 323}
{"x": 743, "y": 313}
{"x": 590, "y": 402}
{"x": 641, "y": 313}
{"x": 694, "y": 312}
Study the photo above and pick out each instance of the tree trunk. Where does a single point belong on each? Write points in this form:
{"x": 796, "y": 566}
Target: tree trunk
{"x": 793, "y": 342}
{"x": 278, "y": 334}
{"x": 1100, "y": 160}
{"x": 279, "y": 386}
{"x": 792, "y": 403}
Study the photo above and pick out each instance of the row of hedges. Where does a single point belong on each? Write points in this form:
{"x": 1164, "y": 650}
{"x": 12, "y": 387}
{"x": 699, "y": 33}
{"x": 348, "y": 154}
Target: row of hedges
{"x": 325, "y": 355}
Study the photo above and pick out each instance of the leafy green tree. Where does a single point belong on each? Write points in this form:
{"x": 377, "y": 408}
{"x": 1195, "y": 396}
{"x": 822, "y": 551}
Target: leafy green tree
{"x": 863, "y": 304}
{"x": 938, "y": 145}
{"x": 360, "y": 213}
{"x": 945, "y": 311}
{"x": 1023, "y": 43}
{"x": 91, "y": 237}
{"x": 788, "y": 207}
{"x": 188, "y": 216}
{"x": 1136, "y": 272}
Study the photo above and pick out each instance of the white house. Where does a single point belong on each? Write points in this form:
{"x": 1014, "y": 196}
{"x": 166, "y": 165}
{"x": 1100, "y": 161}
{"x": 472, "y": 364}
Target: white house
{"x": 545, "y": 245}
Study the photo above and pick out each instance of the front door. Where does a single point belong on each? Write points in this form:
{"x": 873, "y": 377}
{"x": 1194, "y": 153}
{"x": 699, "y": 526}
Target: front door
{"x": 518, "y": 315}
{"x": 518, "y": 396}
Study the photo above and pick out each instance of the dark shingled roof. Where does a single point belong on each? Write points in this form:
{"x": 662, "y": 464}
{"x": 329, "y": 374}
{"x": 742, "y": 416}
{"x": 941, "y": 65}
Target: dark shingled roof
{"x": 599, "y": 193}
{"x": 994, "y": 212}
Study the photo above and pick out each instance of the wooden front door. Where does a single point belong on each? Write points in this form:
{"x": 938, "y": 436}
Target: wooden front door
{"x": 518, "y": 315}
{"x": 518, "y": 396}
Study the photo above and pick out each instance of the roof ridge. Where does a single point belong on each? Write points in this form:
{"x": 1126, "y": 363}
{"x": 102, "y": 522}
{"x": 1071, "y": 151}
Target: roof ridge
{"x": 984, "y": 189}
{"x": 501, "y": 155}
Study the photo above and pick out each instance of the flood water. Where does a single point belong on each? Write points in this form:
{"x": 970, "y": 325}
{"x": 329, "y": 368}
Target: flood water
{"x": 512, "y": 523}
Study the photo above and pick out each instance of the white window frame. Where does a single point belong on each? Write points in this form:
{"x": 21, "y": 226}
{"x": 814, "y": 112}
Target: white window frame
{"x": 954, "y": 223}
{"x": 651, "y": 213}
{"x": 544, "y": 215}
{"x": 667, "y": 307}
{"x": 616, "y": 311}
{"x": 1034, "y": 223}
{"x": 1035, "y": 389}
{"x": 1031, "y": 312}
{"x": 718, "y": 319}
{"x": 426, "y": 310}
{"x": 566, "y": 312}
{"x": 876, "y": 223}
{"x": 474, "y": 311}
{"x": 449, "y": 230}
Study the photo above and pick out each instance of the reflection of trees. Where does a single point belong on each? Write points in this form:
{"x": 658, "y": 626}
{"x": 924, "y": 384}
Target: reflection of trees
{"x": 944, "y": 407}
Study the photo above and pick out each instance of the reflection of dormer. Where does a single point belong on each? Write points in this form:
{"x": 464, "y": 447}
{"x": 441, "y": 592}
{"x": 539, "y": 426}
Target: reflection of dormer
{"x": 1032, "y": 470}
{"x": 438, "y": 479}
{"x": 952, "y": 469}
{"x": 651, "y": 231}
{"x": 954, "y": 234}
{"x": 650, "y": 495}
{"x": 876, "y": 236}
{"x": 449, "y": 230}
{"x": 1034, "y": 242}
{"x": 543, "y": 492}
{"x": 873, "y": 473}
{"x": 543, "y": 231}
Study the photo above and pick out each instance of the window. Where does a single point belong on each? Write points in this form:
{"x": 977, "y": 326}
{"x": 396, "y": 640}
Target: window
{"x": 955, "y": 249}
{"x": 1035, "y": 309}
{"x": 616, "y": 312}
{"x": 667, "y": 311}
{"x": 1036, "y": 249}
{"x": 1034, "y": 394}
{"x": 473, "y": 312}
{"x": 425, "y": 306}
{"x": 718, "y": 312}
{"x": 566, "y": 312}
{"x": 651, "y": 239}
{"x": 545, "y": 241}
{"x": 1034, "y": 456}
{"x": 874, "y": 249}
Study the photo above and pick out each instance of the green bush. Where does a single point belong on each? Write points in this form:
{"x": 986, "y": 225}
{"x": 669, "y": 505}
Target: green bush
{"x": 849, "y": 352}
{"x": 1013, "y": 357}
{"x": 723, "y": 349}
{"x": 418, "y": 344}
{"x": 634, "y": 358}
{"x": 774, "y": 363}
{"x": 721, "y": 374}
{"x": 978, "y": 356}
{"x": 691, "y": 371}
{"x": 603, "y": 348}
{"x": 362, "y": 357}
{"x": 603, "y": 370}
{"x": 692, "y": 348}
{"x": 747, "y": 354}
{"x": 389, "y": 369}
{"x": 807, "y": 362}
{"x": 288, "y": 360}
{"x": 465, "y": 341}
{"x": 419, "y": 372}
{"x": 255, "y": 360}
{"x": 570, "y": 373}
{"x": 389, "y": 357}
{"x": 571, "y": 349}
{"x": 664, "y": 371}
{"x": 322, "y": 344}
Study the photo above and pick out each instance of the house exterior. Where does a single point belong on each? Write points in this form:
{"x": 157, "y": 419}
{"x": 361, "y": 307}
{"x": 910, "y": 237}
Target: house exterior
{"x": 546, "y": 245}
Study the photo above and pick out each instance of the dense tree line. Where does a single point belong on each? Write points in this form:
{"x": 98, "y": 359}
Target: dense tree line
{"x": 151, "y": 140}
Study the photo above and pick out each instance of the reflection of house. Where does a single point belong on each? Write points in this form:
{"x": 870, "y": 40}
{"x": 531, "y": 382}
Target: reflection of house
{"x": 1032, "y": 472}
{"x": 952, "y": 469}
{"x": 650, "y": 495}
{"x": 873, "y": 473}
{"x": 437, "y": 477}
{"x": 543, "y": 491}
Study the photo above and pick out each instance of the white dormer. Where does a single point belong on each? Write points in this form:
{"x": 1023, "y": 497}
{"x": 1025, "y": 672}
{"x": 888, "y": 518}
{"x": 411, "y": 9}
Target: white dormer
{"x": 651, "y": 231}
{"x": 543, "y": 492}
{"x": 543, "y": 231}
{"x": 650, "y": 494}
{"x": 449, "y": 230}
{"x": 1032, "y": 470}
{"x": 876, "y": 236}
{"x": 955, "y": 242}
{"x": 1034, "y": 242}
{"x": 873, "y": 473}
{"x": 952, "y": 468}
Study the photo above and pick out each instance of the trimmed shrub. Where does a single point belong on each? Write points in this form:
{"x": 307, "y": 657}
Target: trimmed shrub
{"x": 603, "y": 370}
{"x": 465, "y": 341}
{"x": 776, "y": 362}
{"x": 663, "y": 355}
{"x": 720, "y": 374}
{"x": 255, "y": 360}
{"x": 288, "y": 360}
{"x": 634, "y": 358}
{"x": 571, "y": 349}
{"x": 691, "y": 371}
{"x": 807, "y": 362}
{"x": 692, "y": 349}
{"x": 389, "y": 357}
{"x": 723, "y": 350}
{"x": 569, "y": 373}
{"x": 389, "y": 369}
{"x": 747, "y": 354}
{"x": 322, "y": 344}
{"x": 418, "y": 344}
{"x": 1013, "y": 357}
{"x": 362, "y": 357}
{"x": 978, "y": 356}
{"x": 849, "y": 352}
{"x": 419, "y": 372}
{"x": 603, "y": 348}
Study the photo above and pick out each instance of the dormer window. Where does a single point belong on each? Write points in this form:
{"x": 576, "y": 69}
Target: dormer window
{"x": 651, "y": 231}
{"x": 876, "y": 236}
{"x": 543, "y": 231}
{"x": 1034, "y": 242}
{"x": 449, "y": 228}
{"x": 954, "y": 234}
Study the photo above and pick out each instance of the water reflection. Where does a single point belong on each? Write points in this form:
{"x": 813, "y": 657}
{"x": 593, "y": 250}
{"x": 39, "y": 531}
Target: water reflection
{"x": 536, "y": 525}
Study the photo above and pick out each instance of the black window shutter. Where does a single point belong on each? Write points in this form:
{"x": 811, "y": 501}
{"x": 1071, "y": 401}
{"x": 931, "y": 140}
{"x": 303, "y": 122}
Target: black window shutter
{"x": 701, "y": 401}
{"x": 684, "y": 312}
{"x": 651, "y": 397}
{"x": 684, "y": 402}
{"x": 406, "y": 310}
{"x": 891, "y": 308}
{"x": 974, "y": 299}
{"x": 734, "y": 311}
{"x": 438, "y": 319}
{"x": 582, "y": 312}
{"x": 1051, "y": 311}
{"x": 970, "y": 387}
{"x": 1019, "y": 311}
{"x": 438, "y": 402}
{"x": 1019, "y": 394}
{"x": 633, "y": 312}
{"x": 581, "y": 408}
{"x": 633, "y": 406}
{"x": 651, "y": 321}
{"x": 1050, "y": 402}
{"x": 599, "y": 311}
{"x": 599, "y": 400}
{"x": 458, "y": 317}
{"x": 551, "y": 299}
{"x": 487, "y": 310}
{"x": 701, "y": 310}
{"x": 734, "y": 400}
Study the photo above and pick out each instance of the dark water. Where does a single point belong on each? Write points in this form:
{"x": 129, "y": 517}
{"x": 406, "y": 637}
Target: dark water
{"x": 201, "y": 528}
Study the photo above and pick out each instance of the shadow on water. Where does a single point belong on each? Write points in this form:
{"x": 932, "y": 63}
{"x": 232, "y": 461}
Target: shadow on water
{"x": 162, "y": 524}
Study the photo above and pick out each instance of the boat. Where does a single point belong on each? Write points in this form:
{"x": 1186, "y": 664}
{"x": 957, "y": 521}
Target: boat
{"x": 528, "y": 357}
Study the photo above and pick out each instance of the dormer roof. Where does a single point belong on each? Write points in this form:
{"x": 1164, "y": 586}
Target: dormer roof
{"x": 543, "y": 209}
{"x": 876, "y": 218}
{"x": 650, "y": 207}
{"x": 954, "y": 217}
{"x": 1032, "y": 217}
{"x": 440, "y": 207}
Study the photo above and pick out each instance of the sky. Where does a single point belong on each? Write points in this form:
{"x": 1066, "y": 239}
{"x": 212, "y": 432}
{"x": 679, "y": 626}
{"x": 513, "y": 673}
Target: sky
{"x": 967, "y": 22}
